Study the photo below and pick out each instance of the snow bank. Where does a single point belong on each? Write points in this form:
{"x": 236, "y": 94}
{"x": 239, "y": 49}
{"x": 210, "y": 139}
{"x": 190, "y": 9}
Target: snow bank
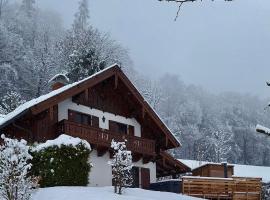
{"x": 239, "y": 170}
{"x": 62, "y": 140}
{"x": 103, "y": 193}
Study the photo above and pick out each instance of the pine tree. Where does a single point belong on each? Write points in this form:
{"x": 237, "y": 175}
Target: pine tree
{"x": 10, "y": 102}
{"x": 15, "y": 184}
{"x": 84, "y": 50}
{"x": 27, "y": 7}
{"x": 121, "y": 166}
{"x": 81, "y": 17}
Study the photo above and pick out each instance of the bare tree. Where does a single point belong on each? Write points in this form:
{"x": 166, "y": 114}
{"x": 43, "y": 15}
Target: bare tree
{"x": 181, "y": 2}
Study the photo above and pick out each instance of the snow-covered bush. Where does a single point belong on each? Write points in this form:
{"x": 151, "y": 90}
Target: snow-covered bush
{"x": 266, "y": 191}
{"x": 15, "y": 182}
{"x": 62, "y": 162}
{"x": 121, "y": 166}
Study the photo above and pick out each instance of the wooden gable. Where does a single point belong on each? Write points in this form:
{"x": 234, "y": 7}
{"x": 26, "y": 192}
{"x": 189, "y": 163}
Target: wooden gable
{"x": 113, "y": 92}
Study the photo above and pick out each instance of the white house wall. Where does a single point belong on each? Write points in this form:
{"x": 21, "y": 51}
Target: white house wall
{"x": 101, "y": 172}
{"x": 64, "y": 106}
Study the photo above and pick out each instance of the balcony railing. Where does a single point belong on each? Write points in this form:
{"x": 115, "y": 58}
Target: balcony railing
{"x": 102, "y": 137}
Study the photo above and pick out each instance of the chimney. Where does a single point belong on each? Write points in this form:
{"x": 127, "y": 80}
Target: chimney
{"x": 225, "y": 166}
{"x": 57, "y": 85}
{"x": 58, "y": 81}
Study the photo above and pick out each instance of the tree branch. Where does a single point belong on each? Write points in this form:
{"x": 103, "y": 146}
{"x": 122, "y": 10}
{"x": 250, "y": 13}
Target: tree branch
{"x": 181, "y": 3}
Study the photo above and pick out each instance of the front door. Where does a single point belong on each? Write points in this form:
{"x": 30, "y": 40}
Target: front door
{"x": 145, "y": 178}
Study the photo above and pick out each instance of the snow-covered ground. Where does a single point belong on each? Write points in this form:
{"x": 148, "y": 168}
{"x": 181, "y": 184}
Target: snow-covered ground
{"x": 103, "y": 193}
{"x": 239, "y": 170}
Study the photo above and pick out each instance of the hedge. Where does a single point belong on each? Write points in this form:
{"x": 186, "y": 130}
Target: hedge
{"x": 63, "y": 165}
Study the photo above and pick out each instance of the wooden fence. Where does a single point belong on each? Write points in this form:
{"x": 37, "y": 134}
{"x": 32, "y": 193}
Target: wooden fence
{"x": 236, "y": 188}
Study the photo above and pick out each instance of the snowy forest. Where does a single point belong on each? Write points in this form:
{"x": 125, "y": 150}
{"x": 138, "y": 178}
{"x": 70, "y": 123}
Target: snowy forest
{"x": 35, "y": 46}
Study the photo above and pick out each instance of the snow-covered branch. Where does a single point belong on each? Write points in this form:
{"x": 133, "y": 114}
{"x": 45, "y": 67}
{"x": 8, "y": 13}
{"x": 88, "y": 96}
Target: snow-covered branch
{"x": 181, "y": 2}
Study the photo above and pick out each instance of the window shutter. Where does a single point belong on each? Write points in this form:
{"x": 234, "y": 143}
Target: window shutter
{"x": 95, "y": 121}
{"x": 131, "y": 130}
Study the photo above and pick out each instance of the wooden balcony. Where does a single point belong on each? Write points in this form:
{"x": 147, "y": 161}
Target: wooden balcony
{"x": 103, "y": 138}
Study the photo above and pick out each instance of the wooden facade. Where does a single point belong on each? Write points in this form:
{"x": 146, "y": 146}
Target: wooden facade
{"x": 214, "y": 170}
{"x": 236, "y": 188}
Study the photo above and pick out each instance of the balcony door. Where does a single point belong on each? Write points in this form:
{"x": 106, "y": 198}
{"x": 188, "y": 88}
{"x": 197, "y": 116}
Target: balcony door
{"x": 121, "y": 128}
{"x": 82, "y": 118}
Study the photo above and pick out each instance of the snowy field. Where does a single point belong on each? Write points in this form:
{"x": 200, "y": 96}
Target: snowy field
{"x": 103, "y": 193}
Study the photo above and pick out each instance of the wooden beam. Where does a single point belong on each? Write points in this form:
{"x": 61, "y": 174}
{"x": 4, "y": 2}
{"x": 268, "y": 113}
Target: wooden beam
{"x": 86, "y": 93}
{"x": 146, "y": 159}
{"x": 115, "y": 80}
{"x": 143, "y": 112}
{"x": 51, "y": 113}
{"x": 136, "y": 157}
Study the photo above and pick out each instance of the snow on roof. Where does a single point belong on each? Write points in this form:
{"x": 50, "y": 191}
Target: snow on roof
{"x": 194, "y": 164}
{"x": 62, "y": 140}
{"x": 61, "y": 75}
{"x": 24, "y": 107}
{"x": 262, "y": 129}
{"x": 239, "y": 170}
{"x": 2, "y": 117}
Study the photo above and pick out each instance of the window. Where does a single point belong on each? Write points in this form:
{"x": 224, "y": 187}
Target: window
{"x": 121, "y": 128}
{"x": 82, "y": 118}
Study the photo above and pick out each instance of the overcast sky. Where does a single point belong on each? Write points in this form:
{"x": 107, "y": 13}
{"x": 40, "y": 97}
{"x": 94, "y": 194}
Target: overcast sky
{"x": 219, "y": 45}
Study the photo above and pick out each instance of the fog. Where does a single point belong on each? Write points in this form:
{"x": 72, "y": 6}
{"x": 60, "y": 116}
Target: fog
{"x": 223, "y": 46}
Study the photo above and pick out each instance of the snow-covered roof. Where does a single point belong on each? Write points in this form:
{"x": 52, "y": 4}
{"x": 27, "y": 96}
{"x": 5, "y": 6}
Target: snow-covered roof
{"x": 59, "y": 76}
{"x": 24, "y": 107}
{"x": 2, "y": 117}
{"x": 239, "y": 170}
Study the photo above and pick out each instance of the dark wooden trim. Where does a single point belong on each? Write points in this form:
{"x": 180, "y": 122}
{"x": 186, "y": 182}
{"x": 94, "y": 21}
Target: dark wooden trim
{"x": 72, "y": 91}
{"x": 136, "y": 157}
{"x": 115, "y": 80}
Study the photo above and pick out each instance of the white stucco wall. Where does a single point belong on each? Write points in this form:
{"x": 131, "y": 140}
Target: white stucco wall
{"x": 64, "y": 106}
{"x": 101, "y": 172}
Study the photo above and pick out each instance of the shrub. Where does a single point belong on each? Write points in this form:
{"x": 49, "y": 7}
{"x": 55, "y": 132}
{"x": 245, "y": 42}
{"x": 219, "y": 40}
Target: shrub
{"x": 61, "y": 163}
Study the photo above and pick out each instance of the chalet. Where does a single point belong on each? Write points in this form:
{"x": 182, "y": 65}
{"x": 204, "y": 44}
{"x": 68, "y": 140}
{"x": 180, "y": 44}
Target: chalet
{"x": 100, "y": 108}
